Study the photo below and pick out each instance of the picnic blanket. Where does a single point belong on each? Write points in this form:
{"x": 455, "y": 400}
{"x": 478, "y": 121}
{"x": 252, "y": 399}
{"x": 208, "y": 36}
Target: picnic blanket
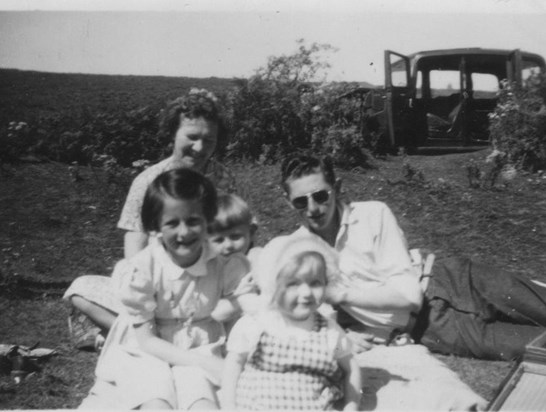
{"x": 410, "y": 378}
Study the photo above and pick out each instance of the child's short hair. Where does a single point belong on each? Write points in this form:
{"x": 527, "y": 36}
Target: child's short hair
{"x": 307, "y": 261}
{"x": 181, "y": 184}
{"x": 232, "y": 211}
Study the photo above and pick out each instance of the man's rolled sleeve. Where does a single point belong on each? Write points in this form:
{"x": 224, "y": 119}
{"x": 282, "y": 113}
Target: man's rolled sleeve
{"x": 393, "y": 258}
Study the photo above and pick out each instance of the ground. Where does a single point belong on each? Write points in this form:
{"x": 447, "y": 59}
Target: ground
{"x": 58, "y": 222}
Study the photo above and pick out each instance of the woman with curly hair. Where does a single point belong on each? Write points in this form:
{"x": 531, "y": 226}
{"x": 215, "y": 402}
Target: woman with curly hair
{"x": 196, "y": 127}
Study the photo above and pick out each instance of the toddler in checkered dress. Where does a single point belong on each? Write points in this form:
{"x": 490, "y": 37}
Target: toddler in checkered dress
{"x": 288, "y": 355}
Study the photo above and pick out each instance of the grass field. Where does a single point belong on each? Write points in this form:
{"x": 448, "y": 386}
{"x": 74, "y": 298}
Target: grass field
{"x": 57, "y": 223}
{"x": 28, "y": 96}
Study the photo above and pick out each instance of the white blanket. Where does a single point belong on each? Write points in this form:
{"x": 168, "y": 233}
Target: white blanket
{"x": 409, "y": 378}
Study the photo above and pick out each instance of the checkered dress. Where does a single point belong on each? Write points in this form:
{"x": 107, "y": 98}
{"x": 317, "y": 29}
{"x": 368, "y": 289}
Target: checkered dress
{"x": 291, "y": 374}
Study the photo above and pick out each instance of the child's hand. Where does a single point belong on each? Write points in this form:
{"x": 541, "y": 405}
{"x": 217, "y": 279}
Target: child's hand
{"x": 209, "y": 358}
{"x": 361, "y": 341}
{"x": 216, "y": 349}
{"x": 351, "y": 406}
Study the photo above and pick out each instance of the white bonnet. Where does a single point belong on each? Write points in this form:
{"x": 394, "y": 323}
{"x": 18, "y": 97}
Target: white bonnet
{"x": 280, "y": 250}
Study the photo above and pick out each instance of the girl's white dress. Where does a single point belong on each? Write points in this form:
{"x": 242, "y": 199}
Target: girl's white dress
{"x": 179, "y": 301}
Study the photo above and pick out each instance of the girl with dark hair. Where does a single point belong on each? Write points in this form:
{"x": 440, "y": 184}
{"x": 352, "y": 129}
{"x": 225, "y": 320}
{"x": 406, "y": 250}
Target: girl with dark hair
{"x": 195, "y": 125}
{"x": 164, "y": 350}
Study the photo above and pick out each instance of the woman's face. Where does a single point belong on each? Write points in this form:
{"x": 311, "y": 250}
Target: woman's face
{"x": 194, "y": 142}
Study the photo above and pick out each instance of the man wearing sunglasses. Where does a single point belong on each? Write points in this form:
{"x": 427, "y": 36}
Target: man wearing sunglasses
{"x": 471, "y": 309}
{"x": 372, "y": 248}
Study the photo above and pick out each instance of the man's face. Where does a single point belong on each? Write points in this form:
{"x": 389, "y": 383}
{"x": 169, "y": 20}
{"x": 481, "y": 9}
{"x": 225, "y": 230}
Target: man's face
{"x": 314, "y": 199}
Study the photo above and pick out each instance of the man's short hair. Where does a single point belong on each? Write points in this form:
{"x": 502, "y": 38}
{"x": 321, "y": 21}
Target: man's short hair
{"x": 296, "y": 166}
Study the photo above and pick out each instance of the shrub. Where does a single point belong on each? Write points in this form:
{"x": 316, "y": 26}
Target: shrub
{"x": 14, "y": 140}
{"x": 269, "y": 117}
{"x": 124, "y": 137}
{"x": 129, "y": 136}
{"x": 283, "y": 108}
{"x": 518, "y": 124}
{"x": 345, "y": 144}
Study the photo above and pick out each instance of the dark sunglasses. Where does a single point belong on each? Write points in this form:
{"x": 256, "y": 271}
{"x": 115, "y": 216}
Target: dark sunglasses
{"x": 320, "y": 197}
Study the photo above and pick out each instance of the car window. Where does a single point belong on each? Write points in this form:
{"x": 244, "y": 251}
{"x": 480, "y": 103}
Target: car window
{"x": 399, "y": 71}
{"x": 444, "y": 82}
{"x": 529, "y": 68}
{"x": 485, "y": 85}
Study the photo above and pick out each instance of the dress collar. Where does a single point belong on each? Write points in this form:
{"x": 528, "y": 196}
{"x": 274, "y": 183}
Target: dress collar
{"x": 173, "y": 271}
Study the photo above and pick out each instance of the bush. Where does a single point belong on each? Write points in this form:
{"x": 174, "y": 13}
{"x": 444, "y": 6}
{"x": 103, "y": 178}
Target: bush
{"x": 336, "y": 126}
{"x": 124, "y": 137}
{"x": 344, "y": 144}
{"x": 14, "y": 140}
{"x": 283, "y": 109}
{"x": 518, "y": 124}
{"x": 269, "y": 117}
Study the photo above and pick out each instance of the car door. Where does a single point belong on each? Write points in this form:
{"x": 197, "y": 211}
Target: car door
{"x": 399, "y": 93}
{"x": 513, "y": 67}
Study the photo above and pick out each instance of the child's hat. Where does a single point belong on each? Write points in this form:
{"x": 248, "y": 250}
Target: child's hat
{"x": 280, "y": 250}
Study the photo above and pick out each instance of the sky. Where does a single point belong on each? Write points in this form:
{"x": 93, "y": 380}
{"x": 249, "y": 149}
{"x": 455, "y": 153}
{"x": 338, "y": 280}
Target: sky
{"x": 233, "y": 38}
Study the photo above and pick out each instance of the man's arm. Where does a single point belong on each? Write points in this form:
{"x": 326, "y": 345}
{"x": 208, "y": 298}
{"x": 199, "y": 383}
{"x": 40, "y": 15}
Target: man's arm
{"x": 391, "y": 283}
{"x": 380, "y": 297}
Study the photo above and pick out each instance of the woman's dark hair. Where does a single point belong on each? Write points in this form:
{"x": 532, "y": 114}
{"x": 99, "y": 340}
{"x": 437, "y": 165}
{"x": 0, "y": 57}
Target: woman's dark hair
{"x": 196, "y": 104}
{"x": 181, "y": 184}
{"x": 296, "y": 166}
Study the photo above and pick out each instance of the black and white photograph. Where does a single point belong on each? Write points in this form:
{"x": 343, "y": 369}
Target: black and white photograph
{"x": 273, "y": 205}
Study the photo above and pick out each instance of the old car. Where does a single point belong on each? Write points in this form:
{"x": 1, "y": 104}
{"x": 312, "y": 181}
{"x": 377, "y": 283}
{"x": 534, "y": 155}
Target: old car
{"x": 441, "y": 98}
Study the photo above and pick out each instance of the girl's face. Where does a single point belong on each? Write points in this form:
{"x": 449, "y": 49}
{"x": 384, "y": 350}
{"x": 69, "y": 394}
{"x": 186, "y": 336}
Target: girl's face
{"x": 303, "y": 293}
{"x": 194, "y": 142}
{"x": 227, "y": 242}
{"x": 183, "y": 228}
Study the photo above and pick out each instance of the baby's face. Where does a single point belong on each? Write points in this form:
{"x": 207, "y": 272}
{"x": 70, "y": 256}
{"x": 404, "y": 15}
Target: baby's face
{"x": 227, "y": 242}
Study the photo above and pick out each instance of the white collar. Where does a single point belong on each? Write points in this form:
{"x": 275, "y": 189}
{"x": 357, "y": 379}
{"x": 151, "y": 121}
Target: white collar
{"x": 347, "y": 218}
{"x": 173, "y": 271}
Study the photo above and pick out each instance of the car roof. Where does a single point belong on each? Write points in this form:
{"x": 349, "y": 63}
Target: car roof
{"x": 470, "y": 50}
{"x": 476, "y": 58}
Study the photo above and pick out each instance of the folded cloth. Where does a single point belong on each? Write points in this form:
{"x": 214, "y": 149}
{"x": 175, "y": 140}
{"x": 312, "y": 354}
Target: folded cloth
{"x": 20, "y": 361}
{"x": 409, "y": 378}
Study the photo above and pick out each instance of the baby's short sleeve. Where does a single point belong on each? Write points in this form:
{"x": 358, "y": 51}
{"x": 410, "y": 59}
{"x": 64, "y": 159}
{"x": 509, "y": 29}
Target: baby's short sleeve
{"x": 244, "y": 336}
{"x": 234, "y": 269}
{"x": 137, "y": 293}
